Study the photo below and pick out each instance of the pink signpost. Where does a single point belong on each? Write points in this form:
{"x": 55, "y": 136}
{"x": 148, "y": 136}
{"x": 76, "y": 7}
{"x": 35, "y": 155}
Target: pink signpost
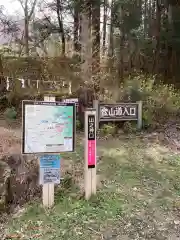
{"x": 90, "y": 152}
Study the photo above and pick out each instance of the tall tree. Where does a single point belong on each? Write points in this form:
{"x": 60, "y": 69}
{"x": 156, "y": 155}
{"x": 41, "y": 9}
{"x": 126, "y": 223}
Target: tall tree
{"x": 157, "y": 28}
{"x": 126, "y": 16}
{"x": 111, "y": 42}
{"x": 96, "y": 35}
{"x": 76, "y": 30}
{"x": 59, "y": 10}
{"x": 28, "y": 7}
{"x": 57, "y": 7}
{"x": 8, "y": 27}
{"x": 105, "y": 7}
{"x": 2, "y": 79}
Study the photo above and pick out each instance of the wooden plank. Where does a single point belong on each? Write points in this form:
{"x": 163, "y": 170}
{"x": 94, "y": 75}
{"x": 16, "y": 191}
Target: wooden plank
{"x": 89, "y": 173}
{"x": 48, "y": 189}
{"x": 139, "y": 121}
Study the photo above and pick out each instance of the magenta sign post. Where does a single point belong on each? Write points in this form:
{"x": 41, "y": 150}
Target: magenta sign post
{"x": 90, "y": 152}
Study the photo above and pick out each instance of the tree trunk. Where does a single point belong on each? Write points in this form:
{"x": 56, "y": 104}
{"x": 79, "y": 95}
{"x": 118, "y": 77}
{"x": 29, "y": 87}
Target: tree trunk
{"x": 2, "y": 79}
{"x": 96, "y": 36}
{"x": 150, "y": 18}
{"x": 157, "y": 36}
{"x": 86, "y": 53}
{"x": 169, "y": 30}
{"x": 76, "y": 27}
{"x": 80, "y": 23}
{"x": 26, "y": 30}
{"x": 145, "y": 19}
{"x": 61, "y": 27}
{"x": 111, "y": 40}
{"x": 121, "y": 54}
{"x": 104, "y": 26}
{"x": 85, "y": 58}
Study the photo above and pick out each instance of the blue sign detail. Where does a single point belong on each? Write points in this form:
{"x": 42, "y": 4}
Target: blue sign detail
{"x": 50, "y": 161}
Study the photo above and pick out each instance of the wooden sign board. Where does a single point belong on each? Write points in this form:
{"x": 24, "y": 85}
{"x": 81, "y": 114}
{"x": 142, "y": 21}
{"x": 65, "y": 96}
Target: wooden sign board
{"x": 49, "y": 169}
{"x": 90, "y": 152}
{"x": 118, "y": 112}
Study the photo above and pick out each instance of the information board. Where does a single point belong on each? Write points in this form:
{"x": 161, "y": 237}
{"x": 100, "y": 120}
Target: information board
{"x": 48, "y": 127}
{"x": 50, "y": 169}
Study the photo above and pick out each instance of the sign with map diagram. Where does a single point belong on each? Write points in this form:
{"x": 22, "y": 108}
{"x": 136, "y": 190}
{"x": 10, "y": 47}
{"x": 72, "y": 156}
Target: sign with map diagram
{"x": 48, "y": 127}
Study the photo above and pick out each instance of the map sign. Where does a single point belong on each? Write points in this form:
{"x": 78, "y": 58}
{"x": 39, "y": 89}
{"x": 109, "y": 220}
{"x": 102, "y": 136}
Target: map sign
{"x": 48, "y": 127}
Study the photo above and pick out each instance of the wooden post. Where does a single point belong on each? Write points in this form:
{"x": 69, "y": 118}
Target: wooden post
{"x": 139, "y": 121}
{"x": 48, "y": 189}
{"x": 7, "y": 83}
{"x": 90, "y": 114}
{"x": 96, "y": 106}
{"x": 90, "y": 153}
{"x": 70, "y": 88}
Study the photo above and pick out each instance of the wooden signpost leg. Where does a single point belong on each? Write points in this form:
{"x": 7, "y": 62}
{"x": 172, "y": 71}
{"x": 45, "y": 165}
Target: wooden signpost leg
{"x": 139, "y": 121}
{"x": 96, "y": 106}
{"x": 48, "y": 194}
{"x": 48, "y": 189}
{"x": 90, "y": 153}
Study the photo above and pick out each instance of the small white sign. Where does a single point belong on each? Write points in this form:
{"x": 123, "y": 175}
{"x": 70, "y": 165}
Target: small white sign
{"x": 70, "y": 100}
{"x": 49, "y": 175}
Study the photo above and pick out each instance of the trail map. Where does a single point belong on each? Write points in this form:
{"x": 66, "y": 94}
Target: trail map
{"x": 48, "y": 127}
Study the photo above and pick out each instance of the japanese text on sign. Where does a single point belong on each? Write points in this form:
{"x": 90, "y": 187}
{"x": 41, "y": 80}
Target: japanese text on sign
{"x": 122, "y": 111}
{"x": 91, "y": 127}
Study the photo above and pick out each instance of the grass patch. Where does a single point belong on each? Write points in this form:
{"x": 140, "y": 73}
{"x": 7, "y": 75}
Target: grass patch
{"x": 69, "y": 218}
{"x": 139, "y": 198}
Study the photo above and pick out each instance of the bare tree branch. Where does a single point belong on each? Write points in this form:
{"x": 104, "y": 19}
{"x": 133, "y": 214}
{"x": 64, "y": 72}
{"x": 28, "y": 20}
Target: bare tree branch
{"x": 7, "y": 25}
{"x": 22, "y": 5}
{"x": 32, "y": 9}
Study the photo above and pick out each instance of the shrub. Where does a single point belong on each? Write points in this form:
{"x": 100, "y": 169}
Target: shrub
{"x": 109, "y": 129}
{"x": 160, "y": 101}
{"x": 10, "y": 113}
{"x": 128, "y": 127}
{"x": 3, "y": 102}
{"x": 146, "y": 119}
{"x": 78, "y": 124}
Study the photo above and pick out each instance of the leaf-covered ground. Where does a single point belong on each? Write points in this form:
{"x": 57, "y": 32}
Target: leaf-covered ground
{"x": 138, "y": 198}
